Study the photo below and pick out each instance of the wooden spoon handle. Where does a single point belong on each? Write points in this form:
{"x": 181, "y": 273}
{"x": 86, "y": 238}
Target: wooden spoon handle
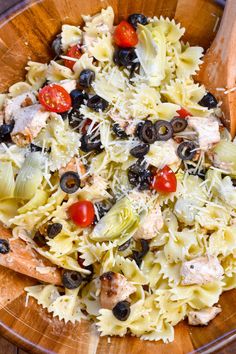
{"x": 219, "y": 69}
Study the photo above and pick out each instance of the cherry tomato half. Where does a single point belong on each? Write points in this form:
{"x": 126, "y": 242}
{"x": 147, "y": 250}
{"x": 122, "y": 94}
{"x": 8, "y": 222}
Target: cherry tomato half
{"x": 55, "y": 98}
{"x": 183, "y": 113}
{"x": 82, "y": 213}
{"x": 125, "y": 35}
{"x": 165, "y": 180}
{"x": 73, "y": 52}
{"x": 86, "y": 125}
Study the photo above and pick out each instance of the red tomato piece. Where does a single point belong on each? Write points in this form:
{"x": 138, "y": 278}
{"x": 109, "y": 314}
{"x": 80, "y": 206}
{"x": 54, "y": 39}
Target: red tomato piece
{"x": 183, "y": 113}
{"x": 125, "y": 35}
{"x": 55, "y": 98}
{"x": 86, "y": 126}
{"x": 165, "y": 180}
{"x": 82, "y": 213}
{"x": 73, "y": 52}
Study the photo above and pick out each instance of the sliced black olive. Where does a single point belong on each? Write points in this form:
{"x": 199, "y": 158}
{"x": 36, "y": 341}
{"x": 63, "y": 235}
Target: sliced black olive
{"x": 5, "y": 130}
{"x": 138, "y": 256}
{"x": 107, "y": 276}
{"x": 71, "y": 279}
{"x": 124, "y": 246}
{"x": 75, "y": 119}
{"x": 134, "y": 70}
{"x": 186, "y": 150}
{"x": 97, "y": 103}
{"x": 119, "y": 131}
{"x": 233, "y": 180}
{"x": 39, "y": 239}
{"x": 208, "y": 101}
{"x": 88, "y": 144}
{"x": 147, "y": 132}
{"x": 78, "y": 97}
{"x": 140, "y": 150}
{"x": 4, "y": 246}
{"x": 178, "y": 124}
{"x": 192, "y": 171}
{"x": 35, "y": 148}
{"x": 64, "y": 115}
{"x": 164, "y": 130}
{"x": 139, "y": 176}
{"x": 122, "y": 310}
{"x": 134, "y": 19}
{"x": 102, "y": 209}
{"x": 56, "y": 46}
{"x": 125, "y": 56}
{"x": 54, "y": 229}
{"x": 86, "y": 77}
{"x": 138, "y": 129}
{"x": 70, "y": 182}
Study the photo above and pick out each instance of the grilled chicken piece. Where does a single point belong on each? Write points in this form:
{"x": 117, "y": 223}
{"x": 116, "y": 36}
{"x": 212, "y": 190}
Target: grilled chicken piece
{"x": 13, "y": 105}
{"x": 28, "y": 123}
{"x": 23, "y": 259}
{"x": 203, "y": 317}
{"x": 150, "y": 225}
{"x": 114, "y": 288}
{"x": 207, "y": 129}
{"x": 201, "y": 270}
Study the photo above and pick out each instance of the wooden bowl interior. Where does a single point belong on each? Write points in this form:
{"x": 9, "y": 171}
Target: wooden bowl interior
{"x": 27, "y": 36}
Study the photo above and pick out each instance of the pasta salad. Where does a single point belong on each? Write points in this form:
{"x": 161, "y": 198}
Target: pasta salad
{"x": 113, "y": 168}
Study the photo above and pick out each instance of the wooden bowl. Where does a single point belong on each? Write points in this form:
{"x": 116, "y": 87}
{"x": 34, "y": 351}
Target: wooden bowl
{"x": 27, "y": 34}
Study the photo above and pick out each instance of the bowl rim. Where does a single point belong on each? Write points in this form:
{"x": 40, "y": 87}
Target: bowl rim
{"x": 228, "y": 338}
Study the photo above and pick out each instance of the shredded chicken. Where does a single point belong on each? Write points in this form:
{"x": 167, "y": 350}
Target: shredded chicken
{"x": 28, "y": 123}
{"x": 201, "y": 270}
{"x": 114, "y": 288}
{"x": 207, "y": 129}
{"x": 203, "y": 317}
{"x": 13, "y": 105}
{"x": 150, "y": 225}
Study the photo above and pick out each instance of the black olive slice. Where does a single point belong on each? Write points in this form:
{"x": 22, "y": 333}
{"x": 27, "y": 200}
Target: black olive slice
{"x": 97, "y": 103}
{"x": 54, "y": 229}
{"x": 178, "y": 124}
{"x": 208, "y": 101}
{"x": 87, "y": 144}
{"x": 124, "y": 246}
{"x": 135, "y": 19}
{"x": 86, "y": 78}
{"x": 56, "y": 46}
{"x": 119, "y": 131}
{"x": 71, "y": 279}
{"x": 164, "y": 130}
{"x": 140, "y": 150}
{"x": 122, "y": 310}
{"x": 147, "y": 132}
{"x": 70, "y": 182}
{"x": 125, "y": 56}
{"x": 78, "y": 97}
{"x": 4, "y": 246}
{"x": 186, "y": 150}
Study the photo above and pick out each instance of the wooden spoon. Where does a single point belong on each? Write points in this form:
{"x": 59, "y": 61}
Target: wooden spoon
{"x": 218, "y": 72}
{"x": 24, "y": 259}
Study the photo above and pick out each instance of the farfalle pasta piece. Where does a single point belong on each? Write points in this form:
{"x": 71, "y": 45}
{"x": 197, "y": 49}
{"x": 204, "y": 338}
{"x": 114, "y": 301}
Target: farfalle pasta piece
{"x": 44, "y": 294}
{"x": 64, "y": 143}
{"x": 103, "y": 49}
{"x": 57, "y": 72}
{"x": 188, "y": 61}
{"x": 36, "y": 74}
{"x": 70, "y": 36}
{"x": 19, "y": 88}
{"x": 172, "y": 30}
{"x": 67, "y": 307}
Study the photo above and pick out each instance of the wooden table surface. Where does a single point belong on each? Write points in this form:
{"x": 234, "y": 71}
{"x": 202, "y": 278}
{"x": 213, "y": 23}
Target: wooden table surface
{"x": 5, "y": 346}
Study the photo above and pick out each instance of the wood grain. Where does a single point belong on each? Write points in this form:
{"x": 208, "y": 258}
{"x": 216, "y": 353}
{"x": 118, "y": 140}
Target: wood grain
{"x": 27, "y": 35}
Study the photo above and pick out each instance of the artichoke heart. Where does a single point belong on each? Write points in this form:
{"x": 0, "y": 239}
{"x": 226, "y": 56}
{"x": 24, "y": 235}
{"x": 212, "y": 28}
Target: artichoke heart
{"x": 30, "y": 176}
{"x": 121, "y": 220}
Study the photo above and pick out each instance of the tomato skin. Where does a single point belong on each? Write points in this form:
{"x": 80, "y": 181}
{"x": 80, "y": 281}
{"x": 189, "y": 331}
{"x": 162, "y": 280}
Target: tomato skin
{"x": 73, "y": 52}
{"x": 125, "y": 35}
{"x": 183, "y": 113}
{"x": 86, "y": 125}
{"x": 54, "y": 98}
{"x": 164, "y": 180}
{"x": 82, "y": 213}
